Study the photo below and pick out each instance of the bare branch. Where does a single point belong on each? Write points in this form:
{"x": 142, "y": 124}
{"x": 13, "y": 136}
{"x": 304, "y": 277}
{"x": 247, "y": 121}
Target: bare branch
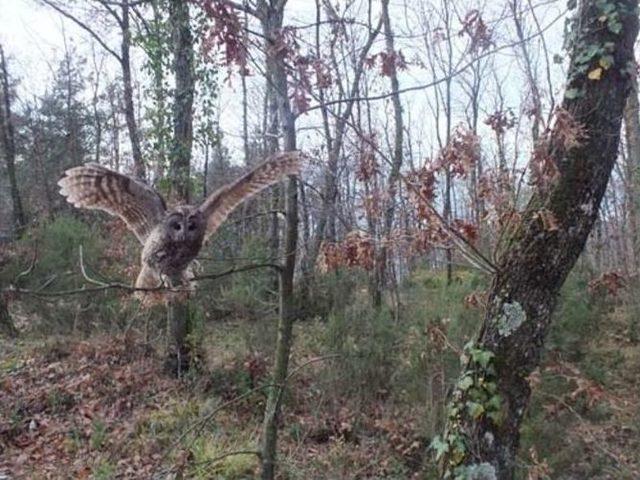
{"x": 455, "y": 72}
{"x": 243, "y": 7}
{"x": 103, "y": 286}
{"x": 29, "y": 269}
{"x": 84, "y": 26}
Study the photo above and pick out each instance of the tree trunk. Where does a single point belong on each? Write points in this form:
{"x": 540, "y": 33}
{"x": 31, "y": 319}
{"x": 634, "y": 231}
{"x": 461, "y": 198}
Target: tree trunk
{"x": 330, "y": 181}
{"x": 178, "y": 310}
{"x": 8, "y": 145}
{"x": 129, "y": 110}
{"x": 489, "y": 402}
{"x": 632, "y": 135}
{"x": 183, "y": 101}
{"x": 271, "y": 26}
{"x": 392, "y": 182}
{"x": 7, "y": 328}
{"x": 159, "y": 120}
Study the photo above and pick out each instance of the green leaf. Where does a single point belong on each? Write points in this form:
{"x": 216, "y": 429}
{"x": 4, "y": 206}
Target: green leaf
{"x": 606, "y": 62}
{"x": 465, "y": 382}
{"x": 475, "y": 410}
{"x": 588, "y": 54}
{"x": 496, "y": 417}
{"x": 482, "y": 357}
{"x": 615, "y": 26}
{"x": 491, "y": 387}
{"x": 573, "y": 93}
{"x": 494, "y": 403}
{"x": 439, "y": 446}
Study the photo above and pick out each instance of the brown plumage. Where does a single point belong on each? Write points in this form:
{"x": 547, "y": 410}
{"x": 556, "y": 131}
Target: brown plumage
{"x": 171, "y": 238}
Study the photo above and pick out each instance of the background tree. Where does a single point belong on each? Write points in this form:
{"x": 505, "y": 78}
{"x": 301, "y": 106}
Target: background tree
{"x": 9, "y": 145}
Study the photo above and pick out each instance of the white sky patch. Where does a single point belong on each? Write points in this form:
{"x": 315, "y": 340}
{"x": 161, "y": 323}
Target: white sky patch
{"x": 34, "y": 38}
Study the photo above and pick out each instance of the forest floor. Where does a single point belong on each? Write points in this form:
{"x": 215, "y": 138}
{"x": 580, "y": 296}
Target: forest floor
{"x": 103, "y": 408}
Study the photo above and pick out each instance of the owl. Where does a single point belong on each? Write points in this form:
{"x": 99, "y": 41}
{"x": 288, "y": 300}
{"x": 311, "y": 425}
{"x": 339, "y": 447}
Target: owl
{"x": 171, "y": 237}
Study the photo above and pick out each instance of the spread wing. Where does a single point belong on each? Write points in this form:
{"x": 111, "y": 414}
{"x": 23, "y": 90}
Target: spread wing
{"x": 217, "y": 207}
{"x": 98, "y": 188}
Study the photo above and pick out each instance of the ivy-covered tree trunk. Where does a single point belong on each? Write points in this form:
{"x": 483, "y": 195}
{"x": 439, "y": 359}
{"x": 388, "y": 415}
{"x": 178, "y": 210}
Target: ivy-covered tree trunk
{"x": 182, "y": 41}
{"x": 487, "y": 406}
{"x": 129, "y": 111}
{"x": 183, "y": 101}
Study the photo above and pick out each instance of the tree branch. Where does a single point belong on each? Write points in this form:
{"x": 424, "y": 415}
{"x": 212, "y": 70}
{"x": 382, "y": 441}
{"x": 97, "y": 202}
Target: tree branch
{"x": 84, "y": 26}
{"x": 437, "y": 81}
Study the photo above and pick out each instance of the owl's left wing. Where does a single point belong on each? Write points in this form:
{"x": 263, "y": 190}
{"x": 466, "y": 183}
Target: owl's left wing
{"x": 95, "y": 187}
{"x": 217, "y": 207}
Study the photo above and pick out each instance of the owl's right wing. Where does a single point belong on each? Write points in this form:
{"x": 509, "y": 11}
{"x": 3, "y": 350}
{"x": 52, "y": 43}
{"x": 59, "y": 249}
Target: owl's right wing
{"x": 95, "y": 187}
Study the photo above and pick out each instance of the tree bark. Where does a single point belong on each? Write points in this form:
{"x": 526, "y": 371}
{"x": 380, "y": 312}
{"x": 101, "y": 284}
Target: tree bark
{"x": 394, "y": 174}
{"x": 7, "y": 136}
{"x": 159, "y": 121}
{"x": 183, "y": 101}
{"x": 271, "y": 19}
{"x": 180, "y": 163}
{"x": 7, "y": 327}
{"x": 129, "y": 110}
{"x": 632, "y": 136}
{"x": 489, "y": 401}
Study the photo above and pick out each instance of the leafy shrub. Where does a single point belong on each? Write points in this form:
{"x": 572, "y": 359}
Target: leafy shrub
{"x": 57, "y": 268}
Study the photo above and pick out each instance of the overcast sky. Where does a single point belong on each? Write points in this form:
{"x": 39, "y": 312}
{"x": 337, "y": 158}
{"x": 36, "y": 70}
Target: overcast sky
{"x": 33, "y": 37}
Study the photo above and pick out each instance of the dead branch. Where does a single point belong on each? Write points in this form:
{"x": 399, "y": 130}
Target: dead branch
{"x": 117, "y": 285}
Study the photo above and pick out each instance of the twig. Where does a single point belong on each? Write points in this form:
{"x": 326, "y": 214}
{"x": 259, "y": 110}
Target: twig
{"x": 84, "y": 271}
{"x": 228, "y": 454}
{"x": 29, "y": 269}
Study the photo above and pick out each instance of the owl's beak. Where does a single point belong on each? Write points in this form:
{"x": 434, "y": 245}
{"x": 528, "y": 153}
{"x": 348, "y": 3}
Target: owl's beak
{"x": 182, "y": 233}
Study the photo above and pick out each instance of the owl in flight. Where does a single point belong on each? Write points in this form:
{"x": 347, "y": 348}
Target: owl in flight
{"x": 171, "y": 237}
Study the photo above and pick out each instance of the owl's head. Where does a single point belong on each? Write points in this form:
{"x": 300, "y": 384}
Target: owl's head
{"x": 185, "y": 224}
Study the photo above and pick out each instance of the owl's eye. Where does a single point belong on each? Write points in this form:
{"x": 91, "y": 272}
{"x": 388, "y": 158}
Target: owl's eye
{"x": 192, "y": 227}
{"x": 176, "y": 226}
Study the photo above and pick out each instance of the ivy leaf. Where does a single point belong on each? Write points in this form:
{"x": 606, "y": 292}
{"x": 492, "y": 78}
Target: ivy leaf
{"x": 465, "y": 383}
{"x": 573, "y": 93}
{"x": 482, "y": 357}
{"x": 496, "y": 417}
{"x": 439, "y": 446}
{"x": 595, "y": 74}
{"x": 475, "y": 409}
{"x": 606, "y": 62}
{"x": 615, "y": 26}
{"x": 494, "y": 403}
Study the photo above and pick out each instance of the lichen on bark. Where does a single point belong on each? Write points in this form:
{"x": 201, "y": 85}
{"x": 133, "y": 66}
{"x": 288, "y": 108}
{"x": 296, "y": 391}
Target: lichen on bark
{"x": 513, "y": 315}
